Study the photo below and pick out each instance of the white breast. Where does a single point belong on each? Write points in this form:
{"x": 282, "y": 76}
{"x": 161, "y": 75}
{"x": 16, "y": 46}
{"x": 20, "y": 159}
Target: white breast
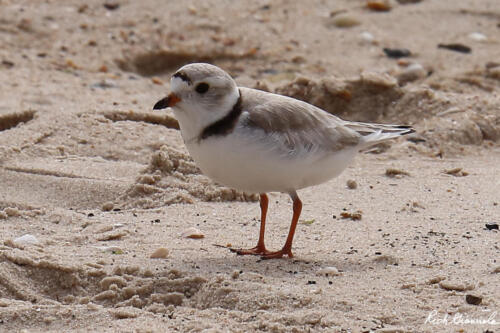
{"x": 250, "y": 164}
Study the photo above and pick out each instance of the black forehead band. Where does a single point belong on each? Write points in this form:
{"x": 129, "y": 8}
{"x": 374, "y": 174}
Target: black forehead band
{"x": 183, "y": 77}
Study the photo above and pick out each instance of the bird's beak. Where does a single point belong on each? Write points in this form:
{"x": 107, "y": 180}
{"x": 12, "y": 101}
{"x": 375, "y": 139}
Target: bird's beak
{"x": 166, "y": 102}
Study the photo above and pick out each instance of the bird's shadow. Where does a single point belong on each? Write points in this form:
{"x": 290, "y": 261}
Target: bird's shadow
{"x": 278, "y": 268}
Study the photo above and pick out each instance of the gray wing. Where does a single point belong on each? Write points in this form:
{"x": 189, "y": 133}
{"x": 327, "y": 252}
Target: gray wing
{"x": 294, "y": 126}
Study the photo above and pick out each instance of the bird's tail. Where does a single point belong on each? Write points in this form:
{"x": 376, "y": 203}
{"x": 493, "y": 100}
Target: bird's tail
{"x": 373, "y": 134}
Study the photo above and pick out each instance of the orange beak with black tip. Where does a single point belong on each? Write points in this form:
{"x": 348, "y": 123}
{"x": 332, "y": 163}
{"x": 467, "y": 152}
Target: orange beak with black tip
{"x": 167, "y": 102}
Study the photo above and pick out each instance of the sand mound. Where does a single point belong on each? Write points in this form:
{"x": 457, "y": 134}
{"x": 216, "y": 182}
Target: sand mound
{"x": 365, "y": 98}
{"x": 445, "y": 120}
{"x": 167, "y": 121}
{"x": 161, "y": 61}
{"x": 172, "y": 177}
{"x": 130, "y": 291}
{"x": 26, "y": 277}
{"x": 13, "y": 119}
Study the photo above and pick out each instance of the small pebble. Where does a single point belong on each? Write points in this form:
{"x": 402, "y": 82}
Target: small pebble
{"x": 395, "y": 173}
{"x": 111, "y": 5}
{"x": 132, "y": 270}
{"x": 25, "y": 25}
{"x": 477, "y": 36}
{"x": 328, "y": 271}
{"x": 26, "y": 240}
{"x": 411, "y": 73}
{"x": 494, "y": 72}
{"x": 112, "y": 236}
{"x": 104, "y": 229}
{"x": 367, "y": 37}
{"x": 92, "y": 306}
{"x": 193, "y": 233}
{"x": 124, "y": 313}
{"x": 235, "y": 274}
{"x": 111, "y": 249}
{"x": 160, "y": 253}
{"x": 404, "y": 62}
{"x": 397, "y": 53}
{"x": 472, "y": 299}
{"x": 71, "y": 64}
{"x": 456, "y": 47}
{"x": 192, "y": 10}
{"x": 8, "y": 63}
{"x": 415, "y": 138}
{"x": 436, "y": 279}
{"x": 148, "y": 273}
{"x": 104, "y": 84}
{"x": 491, "y": 226}
{"x": 416, "y": 204}
{"x": 356, "y": 216}
{"x": 379, "y": 5}
{"x": 157, "y": 80}
{"x": 351, "y": 184}
{"x": 107, "y": 206}
{"x": 450, "y": 285}
{"x": 345, "y": 21}
{"x": 337, "y": 12}
{"x": 457, "y": 172}
{"x": 298, "y": 60}
{"x": 492, "y": 64}
{"x": 12, "y": 211}
{"x": 107, "y": 282}
{"x": 307, "y": 222}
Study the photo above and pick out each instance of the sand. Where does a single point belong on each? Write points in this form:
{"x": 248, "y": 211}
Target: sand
{"x": 93, "y": 182}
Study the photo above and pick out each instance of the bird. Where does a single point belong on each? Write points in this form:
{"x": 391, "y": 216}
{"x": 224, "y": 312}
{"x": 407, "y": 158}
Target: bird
{"x": 259, "y": 142}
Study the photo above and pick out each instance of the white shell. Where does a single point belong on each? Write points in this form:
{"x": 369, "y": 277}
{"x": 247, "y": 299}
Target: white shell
{"x": 192, "y": 233}
{"x": 26, "y": 240}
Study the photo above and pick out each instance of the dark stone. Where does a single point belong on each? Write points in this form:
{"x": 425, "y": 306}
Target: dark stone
{"x": 111, "y": 5}
{"x": 397, "y": 53}
{"x": 456, "y": 47}
{"x": 474, "y": 300}
{"x": 491, "y": 226}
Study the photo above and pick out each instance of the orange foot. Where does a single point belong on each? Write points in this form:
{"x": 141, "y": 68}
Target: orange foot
{"x": 256, "y": 251}
{"x": 278, "y": 254}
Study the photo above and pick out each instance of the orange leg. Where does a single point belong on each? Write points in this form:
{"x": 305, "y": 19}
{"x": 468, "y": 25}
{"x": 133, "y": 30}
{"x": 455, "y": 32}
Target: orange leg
{"x": 260, "y": 249}
{"x": 287, "y": 248}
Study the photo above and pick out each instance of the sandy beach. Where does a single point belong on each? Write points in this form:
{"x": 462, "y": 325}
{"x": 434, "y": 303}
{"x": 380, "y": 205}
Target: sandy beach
{"x": 94, "y": 183}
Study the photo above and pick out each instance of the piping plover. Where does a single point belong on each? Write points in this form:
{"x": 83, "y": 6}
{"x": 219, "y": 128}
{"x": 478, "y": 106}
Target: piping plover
{"x": 260, "y": 142}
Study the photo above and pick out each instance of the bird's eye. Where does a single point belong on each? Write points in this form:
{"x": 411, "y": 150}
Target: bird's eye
{"x": 202, "y": 88}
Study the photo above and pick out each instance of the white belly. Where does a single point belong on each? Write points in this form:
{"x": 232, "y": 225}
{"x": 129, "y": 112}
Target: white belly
{"x": 237, "y": 162}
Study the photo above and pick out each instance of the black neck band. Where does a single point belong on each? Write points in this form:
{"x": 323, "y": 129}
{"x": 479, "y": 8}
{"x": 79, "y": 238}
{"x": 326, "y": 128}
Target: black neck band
{"x": 225, "y": 125}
